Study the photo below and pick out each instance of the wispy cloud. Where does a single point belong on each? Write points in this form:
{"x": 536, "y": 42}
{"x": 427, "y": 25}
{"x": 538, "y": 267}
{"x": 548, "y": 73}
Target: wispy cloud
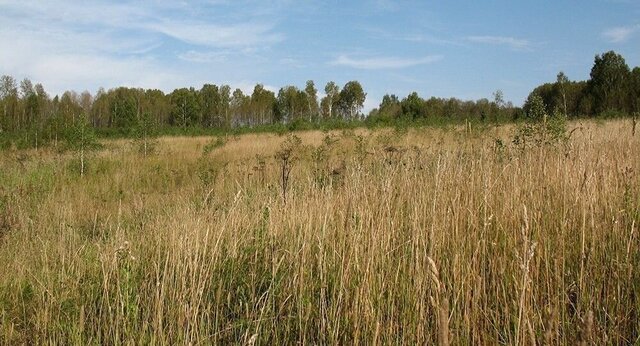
{"x": 141, "y": 19}
{"x": 203, "y": 56}
{"x": 379, "y": 63}
{"x": 511, "y": 42}
{"x": 213, "y": 35}
{"x": 65, "y": 45}
{"x": 621, "y": 34}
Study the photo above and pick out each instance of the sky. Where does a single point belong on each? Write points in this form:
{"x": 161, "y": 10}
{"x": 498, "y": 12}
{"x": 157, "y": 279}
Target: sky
{"x": 463, "y": 49}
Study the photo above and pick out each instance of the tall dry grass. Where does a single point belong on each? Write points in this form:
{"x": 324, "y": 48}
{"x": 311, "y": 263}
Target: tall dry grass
{"x": 426, "y": 237}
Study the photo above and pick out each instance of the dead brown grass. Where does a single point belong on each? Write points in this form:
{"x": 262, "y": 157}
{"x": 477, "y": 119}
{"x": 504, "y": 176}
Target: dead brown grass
{"x": 447, "y": 238}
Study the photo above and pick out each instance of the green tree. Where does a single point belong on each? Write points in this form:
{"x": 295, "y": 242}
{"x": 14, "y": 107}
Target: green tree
{"x": 210, "y": 105}
{"x": 498, "y": 103}
{"x": 390, "y": 107}
{"x": 412, "y": 106}
{"x": 312, "y": 99}
{"x": 158, "y": 104}
{"x": 534, "y": 108}
{"x": 539, "y": 128}
{"x": 9, "y": 97}
{"x": 332, "y": 92}
{"x": 145, "y": 133}
{"x": 81, "y": 138}
{"x": 609, "y": 76}
{"x": 291, "y": 103}
{"x": 225, "y": 102}
{"x": 352, "y": 99}
{"x": 124, "y": 109}
{"x": 262, "y": 104}
{"x": 239, "y": 107}
{"x": 184, "y": 107}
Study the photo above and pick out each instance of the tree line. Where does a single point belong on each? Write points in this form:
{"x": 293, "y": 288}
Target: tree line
{"x": 415, "y": 108}
{"x": 30, "y": 114}
{"x": 28, "y": 110}
{"x": 613, "y": 89}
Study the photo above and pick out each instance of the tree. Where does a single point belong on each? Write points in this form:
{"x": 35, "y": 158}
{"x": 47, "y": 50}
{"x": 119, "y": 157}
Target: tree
{"x": 540, "y": 128}
{"x": 608, "y": 78}
{"x": 561, "y": 84}
{"x": 390, "y": 107}
{"x": 86, "y": 101}
{"x": 535, "y": 108}
{"x": 184, "y": 107}
{"x": 30, "y": 105}
{"x": 158, "y": 104}
{"x": 42, "y": 115}
{"x": 124, "y": 109}
{"x": 69, "y": 108}
{"x": 498, "y": 98}
{"x": 412, "y": 106}
{"x": 498, "y": 103}
{"x": 352, "y": 99}
{"x": 312, "y": 99}
{"x": 210, "y": 105}
{"x": 145, "y": 133}
{"x": 81, "y": 138}
{"x": 332, "y": 91}
{"x": 9, "y": 97}
{"x": 291, "y": 103}
{"x": 262, "y": 104}
{"x": 225, "y": 100}
{"x": 239, "y": 107}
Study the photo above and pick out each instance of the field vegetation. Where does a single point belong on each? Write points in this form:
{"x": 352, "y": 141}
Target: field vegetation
{"x": 450, "y": 235}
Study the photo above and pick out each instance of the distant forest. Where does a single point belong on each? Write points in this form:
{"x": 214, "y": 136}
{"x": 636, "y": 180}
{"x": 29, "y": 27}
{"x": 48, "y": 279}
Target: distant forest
{"x": 29, "y": 115}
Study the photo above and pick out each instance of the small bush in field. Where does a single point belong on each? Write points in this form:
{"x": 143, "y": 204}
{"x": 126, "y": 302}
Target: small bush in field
{"x": 286, "y": 157}
{"x": 539, "y": 128}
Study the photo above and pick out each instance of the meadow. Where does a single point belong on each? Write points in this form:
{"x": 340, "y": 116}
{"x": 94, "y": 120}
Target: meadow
{"x": 448, "y": 235}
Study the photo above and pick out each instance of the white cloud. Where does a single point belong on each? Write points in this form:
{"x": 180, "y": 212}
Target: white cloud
{"x": 379, "y": 63}
{"x": 204, "y": 56}
{"x": 236, "y": 35}
{"x": 512, "y": 42}
{"x": 141, "y": 19}
{"x": 67, "y": 45}
{"x": 620, "y": 34}
{"x": 248, "y": 86}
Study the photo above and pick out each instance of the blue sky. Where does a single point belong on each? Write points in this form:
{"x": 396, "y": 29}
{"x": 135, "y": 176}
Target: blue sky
{"x": 465, "y": 49}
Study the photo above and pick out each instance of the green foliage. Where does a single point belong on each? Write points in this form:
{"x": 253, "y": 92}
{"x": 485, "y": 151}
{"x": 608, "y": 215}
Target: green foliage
{"x": 291, "y": 104}
{"x": 535, "y": 109}
{"x": 124, "y": 109}
{"x": 30, "y": 118}
{"x": 540, "y": 129}
{"x": 609, "y": 77}
{"x": 81, "y": 138}
{"x": 184, "y": 107}
{"x": 145, "y": 133}
{"x": 352, "y": 99}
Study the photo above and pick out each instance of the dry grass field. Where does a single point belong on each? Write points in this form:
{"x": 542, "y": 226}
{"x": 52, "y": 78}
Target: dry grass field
{"x": 426, "y": 236}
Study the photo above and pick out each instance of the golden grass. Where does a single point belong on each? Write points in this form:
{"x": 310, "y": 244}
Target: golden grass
{"x": 426, "y": 237}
